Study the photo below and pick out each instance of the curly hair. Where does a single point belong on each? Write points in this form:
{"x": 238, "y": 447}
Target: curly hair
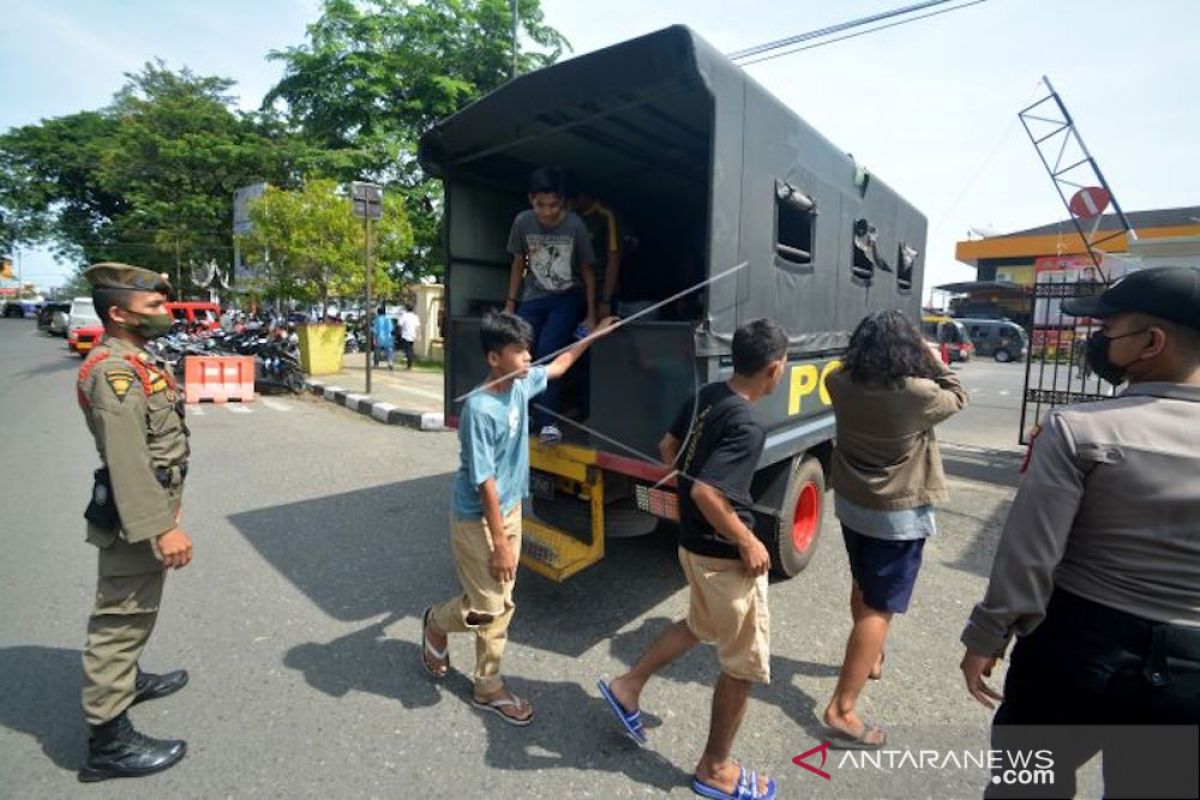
{"x": 886, "y": 348}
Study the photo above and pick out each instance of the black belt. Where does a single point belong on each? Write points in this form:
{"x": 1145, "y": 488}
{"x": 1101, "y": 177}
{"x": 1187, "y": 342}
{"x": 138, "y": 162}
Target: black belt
{"x": 167, "y": 475}
{"x": 1157, "y": 641}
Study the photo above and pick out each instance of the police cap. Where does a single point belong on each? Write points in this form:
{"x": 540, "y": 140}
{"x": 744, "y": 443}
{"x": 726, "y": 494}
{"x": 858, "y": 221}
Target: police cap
{"x": 1170, "y": 293}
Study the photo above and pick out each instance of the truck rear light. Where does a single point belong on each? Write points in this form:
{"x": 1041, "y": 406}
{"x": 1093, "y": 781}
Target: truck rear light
{"x": 659, "y": 502}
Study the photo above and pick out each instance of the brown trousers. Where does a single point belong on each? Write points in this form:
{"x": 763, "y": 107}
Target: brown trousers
{"x": 122, "y": 620}
{"x": 471, "y": 544}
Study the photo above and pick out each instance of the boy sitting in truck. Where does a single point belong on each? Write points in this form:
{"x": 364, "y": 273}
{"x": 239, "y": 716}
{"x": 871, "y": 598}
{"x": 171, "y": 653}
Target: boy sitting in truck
{"x": 715, "y": 445}
{"x": 551, "y": 279}
{"x": 489, "y": 487}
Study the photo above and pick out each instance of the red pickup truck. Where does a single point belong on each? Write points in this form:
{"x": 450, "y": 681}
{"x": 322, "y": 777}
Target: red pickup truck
{"x": 193, "y": 314}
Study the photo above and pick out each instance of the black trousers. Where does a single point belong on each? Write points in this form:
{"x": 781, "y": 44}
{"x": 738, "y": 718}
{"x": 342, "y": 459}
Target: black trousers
{"x": 1094, "y": 679}
{"x": 406, "y": 347}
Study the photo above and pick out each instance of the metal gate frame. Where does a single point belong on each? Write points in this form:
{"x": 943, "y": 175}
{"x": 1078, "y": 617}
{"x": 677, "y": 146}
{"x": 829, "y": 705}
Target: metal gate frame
{"x": 1052, "y": 131}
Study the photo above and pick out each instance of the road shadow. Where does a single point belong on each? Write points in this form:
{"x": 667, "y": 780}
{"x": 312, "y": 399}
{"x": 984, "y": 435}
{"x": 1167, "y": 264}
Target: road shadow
{"x": 402, "y": 563}
{"x": 984, "y": 464}
{"x": 67, "y": 361}
{"x": 368, "y": 661}
{"x": 394, "y": 566}
{"x": 700, "y": 667}
{"x": 976, "y": 558}
{"x": 41, "y": 699}
{"x": 573, "y": 730}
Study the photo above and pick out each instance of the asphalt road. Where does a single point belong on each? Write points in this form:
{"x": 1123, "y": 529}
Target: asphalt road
{"x": 321, "y": 535}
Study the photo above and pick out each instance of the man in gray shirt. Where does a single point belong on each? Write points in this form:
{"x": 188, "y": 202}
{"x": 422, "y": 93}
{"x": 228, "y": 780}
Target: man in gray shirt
{"x": 1097, "y": 572}
{"x": 552, "y": 262}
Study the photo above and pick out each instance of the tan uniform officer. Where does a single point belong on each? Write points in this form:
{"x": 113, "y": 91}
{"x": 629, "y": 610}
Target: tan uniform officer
{"x": 135, "y": 412}
{"x": 1097, "y": 573}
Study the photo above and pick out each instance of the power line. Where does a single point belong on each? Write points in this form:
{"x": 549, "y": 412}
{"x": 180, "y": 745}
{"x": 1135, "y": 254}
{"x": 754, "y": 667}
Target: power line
{"x": 737, "y": 55}
{"x": 856, "y": 23}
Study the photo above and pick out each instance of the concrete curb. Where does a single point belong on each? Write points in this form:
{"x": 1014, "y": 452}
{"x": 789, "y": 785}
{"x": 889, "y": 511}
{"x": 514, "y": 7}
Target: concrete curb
{"x": 387, "y": 413}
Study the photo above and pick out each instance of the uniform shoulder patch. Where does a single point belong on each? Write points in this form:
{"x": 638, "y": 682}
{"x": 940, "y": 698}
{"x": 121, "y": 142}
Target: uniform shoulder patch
{"x": 119, "y": 379}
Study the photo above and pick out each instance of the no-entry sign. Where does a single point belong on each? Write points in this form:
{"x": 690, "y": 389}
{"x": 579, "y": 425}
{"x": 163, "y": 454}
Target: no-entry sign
{"x": 1090, "y": 202}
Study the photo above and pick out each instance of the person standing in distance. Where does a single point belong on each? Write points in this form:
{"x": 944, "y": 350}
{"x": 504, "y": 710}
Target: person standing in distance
{"x": 134, "y": 410}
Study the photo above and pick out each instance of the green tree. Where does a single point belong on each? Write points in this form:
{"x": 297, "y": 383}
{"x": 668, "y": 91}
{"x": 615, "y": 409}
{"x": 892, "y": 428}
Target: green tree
{"x": 50, "y": 185}
{"x": 375, "y": 74}
{"x": 148, "y": 179}
{"x": 306, "y": 245}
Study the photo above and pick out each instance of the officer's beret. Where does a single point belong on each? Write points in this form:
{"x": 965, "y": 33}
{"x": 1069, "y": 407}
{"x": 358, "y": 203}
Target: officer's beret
{"x": 111, "y": 275}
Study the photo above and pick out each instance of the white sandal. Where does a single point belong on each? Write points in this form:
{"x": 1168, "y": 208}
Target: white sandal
{"x": 427, "y": 648}
{"x": 494, "y": 707}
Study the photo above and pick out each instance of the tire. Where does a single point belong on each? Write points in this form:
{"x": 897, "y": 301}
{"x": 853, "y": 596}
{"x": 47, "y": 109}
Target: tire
{"x": 1003, "y": 356}
{"x": 622, "y": 520}
{"x": 294, "y": 381}
{"x": 797, "y": 529}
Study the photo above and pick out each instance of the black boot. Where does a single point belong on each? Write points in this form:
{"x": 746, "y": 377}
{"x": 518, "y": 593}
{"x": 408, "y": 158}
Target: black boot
{"x": 116, "y": 750}
{"x": 152, "y": 687}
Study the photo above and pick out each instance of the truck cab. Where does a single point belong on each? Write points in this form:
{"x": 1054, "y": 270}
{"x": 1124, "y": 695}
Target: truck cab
{"x": 715, "y": 179}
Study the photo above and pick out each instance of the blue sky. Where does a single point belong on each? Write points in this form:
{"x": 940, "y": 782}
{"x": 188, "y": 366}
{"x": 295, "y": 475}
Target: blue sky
{"x": 930, "y": 107}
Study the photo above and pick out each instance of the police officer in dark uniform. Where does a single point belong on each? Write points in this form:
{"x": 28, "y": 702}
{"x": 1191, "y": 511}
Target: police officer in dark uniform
{"x": 1097, "y": 572}
{"x": 134, "y": 410}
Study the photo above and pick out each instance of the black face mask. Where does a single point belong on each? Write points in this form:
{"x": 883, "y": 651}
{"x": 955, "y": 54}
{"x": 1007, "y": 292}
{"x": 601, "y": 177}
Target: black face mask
{"x": 1098, "y": 360}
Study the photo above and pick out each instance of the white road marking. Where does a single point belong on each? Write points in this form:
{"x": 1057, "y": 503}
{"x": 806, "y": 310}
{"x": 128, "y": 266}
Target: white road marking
{"x": 275, "y": 405}
{"x": 416, "y": 391}
{"x": 196, "y": 411}
{"x": 237, "y": 408}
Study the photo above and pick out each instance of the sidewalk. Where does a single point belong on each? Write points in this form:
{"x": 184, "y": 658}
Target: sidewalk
{"x": 413, "y": 399}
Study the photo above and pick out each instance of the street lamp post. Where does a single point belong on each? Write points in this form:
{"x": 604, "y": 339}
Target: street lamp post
{"x": 366, "y": 202}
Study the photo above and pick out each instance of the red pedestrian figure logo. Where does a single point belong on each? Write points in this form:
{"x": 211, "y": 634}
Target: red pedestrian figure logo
{"x": 823, "y": 749}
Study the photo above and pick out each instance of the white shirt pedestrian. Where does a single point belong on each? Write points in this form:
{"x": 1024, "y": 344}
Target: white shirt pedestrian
{"x": 410, "y": 323}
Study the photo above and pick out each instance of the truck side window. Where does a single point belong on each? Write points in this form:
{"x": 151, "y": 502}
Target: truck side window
{"x": 795, "y": 218}
{"x": 866, "y": 240}
{"x": 906, "y": 260}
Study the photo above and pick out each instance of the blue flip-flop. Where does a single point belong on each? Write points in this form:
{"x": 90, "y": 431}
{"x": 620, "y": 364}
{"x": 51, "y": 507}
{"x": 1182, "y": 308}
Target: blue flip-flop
{"x": 746, "y": 789}
{"x": 630, "y": 721}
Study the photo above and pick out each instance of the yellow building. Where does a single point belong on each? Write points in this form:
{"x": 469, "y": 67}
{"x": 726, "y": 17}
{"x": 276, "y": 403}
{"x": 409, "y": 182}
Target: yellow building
{"x": 1168, "y": 235}
{"x": 1007, "y": 266}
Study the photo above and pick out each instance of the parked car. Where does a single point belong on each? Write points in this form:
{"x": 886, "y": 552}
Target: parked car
{"x": 1002, "y": 339}
{"x": 23, "y": 308}
{"x": 948, "y": 332}
{"x": 52, "y": 318}
{"x": 84, "y": 328}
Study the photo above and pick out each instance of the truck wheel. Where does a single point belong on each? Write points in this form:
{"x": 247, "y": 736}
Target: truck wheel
{"x": 1003, "y": 356}
{"x": 622, "y": 519}
{"x": 799, "y": 525}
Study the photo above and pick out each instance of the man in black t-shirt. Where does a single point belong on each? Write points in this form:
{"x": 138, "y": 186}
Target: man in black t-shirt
{"x": 715, "y": 445}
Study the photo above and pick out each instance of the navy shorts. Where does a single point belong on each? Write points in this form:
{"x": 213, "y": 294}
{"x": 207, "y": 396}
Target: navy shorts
{"x": 885, "y": 569}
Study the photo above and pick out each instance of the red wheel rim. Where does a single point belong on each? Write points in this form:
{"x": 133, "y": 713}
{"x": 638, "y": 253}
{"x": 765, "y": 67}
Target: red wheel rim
{"x": 804, "y": 522}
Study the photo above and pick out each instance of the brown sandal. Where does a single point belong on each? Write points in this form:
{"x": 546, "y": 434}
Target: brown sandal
{"x": 427, "y": 650}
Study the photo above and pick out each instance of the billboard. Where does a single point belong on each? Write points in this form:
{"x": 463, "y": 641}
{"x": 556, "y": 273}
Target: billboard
{"x": 241, "y": 207}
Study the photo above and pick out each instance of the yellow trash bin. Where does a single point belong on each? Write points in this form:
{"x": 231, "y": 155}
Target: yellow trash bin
{"x": 322, "y": 346}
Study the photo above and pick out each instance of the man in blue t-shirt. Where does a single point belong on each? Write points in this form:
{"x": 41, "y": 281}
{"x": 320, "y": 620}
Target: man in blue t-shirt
{"x": 489, "y": 487}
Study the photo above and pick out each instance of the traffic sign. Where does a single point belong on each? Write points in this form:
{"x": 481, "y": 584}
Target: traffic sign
{"x": 367, "y": 200}
{"x": 1090, "y": 202}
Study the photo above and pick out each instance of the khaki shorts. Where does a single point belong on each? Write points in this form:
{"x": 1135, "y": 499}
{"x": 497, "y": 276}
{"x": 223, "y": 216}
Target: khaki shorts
{"x": 729, "y": 608}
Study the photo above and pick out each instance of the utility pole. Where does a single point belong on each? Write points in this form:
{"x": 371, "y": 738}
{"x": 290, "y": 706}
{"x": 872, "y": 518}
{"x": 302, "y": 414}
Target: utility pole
{"x": 366, "y": 202}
